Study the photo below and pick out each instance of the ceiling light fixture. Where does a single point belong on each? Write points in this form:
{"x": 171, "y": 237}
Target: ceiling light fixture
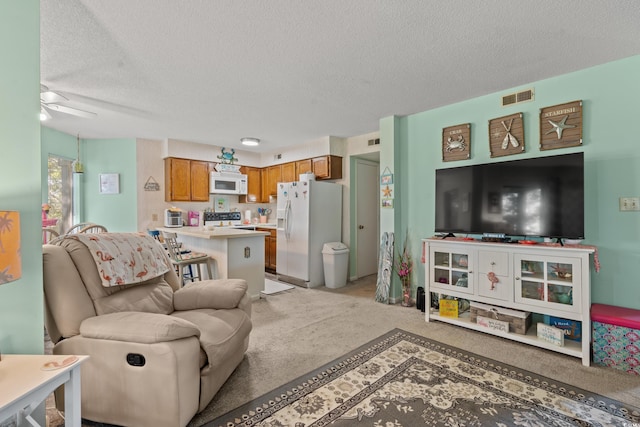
{"x": 251, "y": 142}
{"x": 44, "y": 114}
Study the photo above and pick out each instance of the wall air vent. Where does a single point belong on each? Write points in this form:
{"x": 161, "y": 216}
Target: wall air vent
{"x": 374, "y": 141}
{"x": 516, "y": 98}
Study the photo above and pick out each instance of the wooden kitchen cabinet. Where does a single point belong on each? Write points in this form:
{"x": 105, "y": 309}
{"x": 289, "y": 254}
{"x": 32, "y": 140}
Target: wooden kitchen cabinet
{"x": 254, "y": 185}
{"x": 186, "y": 180}
{"x": 304, "y": 166}
{"x": 200, "y": 180}
{"x": 273, "y": 175}
{"x": 177, "y": 180}
{"x": 270, "y": 247}
{"x": 327, "y": 167}
{"x": 289, "y": 172}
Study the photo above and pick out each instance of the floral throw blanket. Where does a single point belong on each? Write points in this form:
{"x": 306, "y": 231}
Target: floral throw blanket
{"x": 125, "y": 258}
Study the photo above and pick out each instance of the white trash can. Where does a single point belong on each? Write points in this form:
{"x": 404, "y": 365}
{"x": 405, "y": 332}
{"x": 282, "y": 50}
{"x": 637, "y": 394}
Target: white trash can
{"x": 335, "y": 256}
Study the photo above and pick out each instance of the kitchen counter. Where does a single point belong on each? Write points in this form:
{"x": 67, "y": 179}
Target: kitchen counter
{"x": 238, "y": 254}
{"x": 216, "y": 233}
{"x": 268, "y": 226}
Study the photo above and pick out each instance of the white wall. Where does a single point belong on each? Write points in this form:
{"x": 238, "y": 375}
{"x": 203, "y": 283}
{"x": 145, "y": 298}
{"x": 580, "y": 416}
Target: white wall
{"x": 353, "y": 146}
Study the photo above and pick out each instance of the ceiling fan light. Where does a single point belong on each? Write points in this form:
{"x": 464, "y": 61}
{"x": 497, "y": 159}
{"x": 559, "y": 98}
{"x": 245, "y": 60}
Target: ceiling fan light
{"x": 251, "y": 142}
{"x": 44, "y": 115}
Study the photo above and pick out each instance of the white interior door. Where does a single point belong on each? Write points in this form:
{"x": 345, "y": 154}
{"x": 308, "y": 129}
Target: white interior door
{"x": 367, "y": 216}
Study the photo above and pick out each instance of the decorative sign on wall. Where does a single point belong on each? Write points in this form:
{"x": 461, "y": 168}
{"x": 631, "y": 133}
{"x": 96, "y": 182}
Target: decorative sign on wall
{"x": 386, "y": 187}
{"x": 506, "y": 135}
{"x": 561, "y": 126}
{"x": 151, "y": 185}
{"x": 456, "y": 142}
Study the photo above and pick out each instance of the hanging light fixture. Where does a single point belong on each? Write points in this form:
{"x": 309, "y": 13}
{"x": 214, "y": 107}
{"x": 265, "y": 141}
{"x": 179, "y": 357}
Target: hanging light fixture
{"x": 77, "y": 164}
{"x": 251, "y": 142}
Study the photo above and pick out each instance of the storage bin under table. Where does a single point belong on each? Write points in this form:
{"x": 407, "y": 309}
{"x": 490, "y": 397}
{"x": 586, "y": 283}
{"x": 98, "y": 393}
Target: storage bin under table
{"x": 616, "y": 337}
{"x": 519, "y": 321}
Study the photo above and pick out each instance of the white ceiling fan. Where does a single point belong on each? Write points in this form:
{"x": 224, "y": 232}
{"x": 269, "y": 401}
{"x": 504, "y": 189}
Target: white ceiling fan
{"x": 49, "y": 101}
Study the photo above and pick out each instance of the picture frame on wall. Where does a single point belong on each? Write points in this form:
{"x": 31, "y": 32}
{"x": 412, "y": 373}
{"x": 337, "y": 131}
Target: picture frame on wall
{"x": 561, "y": 126}
{"x": 386, "y": 179}
{"x": 456, "y": 142}
{"x": 387, "y": 203}
{"x": 506, "y": 135}
{"x": 109, "y": 183}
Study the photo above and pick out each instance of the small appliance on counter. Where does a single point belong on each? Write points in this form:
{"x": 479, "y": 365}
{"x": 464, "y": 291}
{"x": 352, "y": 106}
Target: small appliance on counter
{"x": 193, "y": 218}
{"x": 172, "y": 217}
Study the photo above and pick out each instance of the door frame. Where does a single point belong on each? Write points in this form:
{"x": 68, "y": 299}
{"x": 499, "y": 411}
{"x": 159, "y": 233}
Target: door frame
{"x": 372, "y": 159}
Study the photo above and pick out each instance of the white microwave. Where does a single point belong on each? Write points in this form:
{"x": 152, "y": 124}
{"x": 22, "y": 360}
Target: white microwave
{"x": 227, "y": 183}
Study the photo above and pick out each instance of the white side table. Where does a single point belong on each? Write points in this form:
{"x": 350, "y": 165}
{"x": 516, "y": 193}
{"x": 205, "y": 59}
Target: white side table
{"x": 27, "y": 380}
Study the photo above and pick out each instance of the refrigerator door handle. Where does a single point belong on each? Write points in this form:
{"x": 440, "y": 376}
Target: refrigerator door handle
{"x": 287, "y": 225}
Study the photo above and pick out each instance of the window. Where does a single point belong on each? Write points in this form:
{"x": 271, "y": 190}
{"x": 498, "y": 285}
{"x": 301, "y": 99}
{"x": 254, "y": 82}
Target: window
{"x": 60, "y": 191}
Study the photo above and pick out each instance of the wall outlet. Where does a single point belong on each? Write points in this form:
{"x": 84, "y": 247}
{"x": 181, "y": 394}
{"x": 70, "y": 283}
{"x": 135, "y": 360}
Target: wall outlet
{"x": 629, "y": 203}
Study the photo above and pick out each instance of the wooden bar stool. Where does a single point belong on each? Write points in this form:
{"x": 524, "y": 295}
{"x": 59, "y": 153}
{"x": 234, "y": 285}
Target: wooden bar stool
{"x": 182, "y": 259}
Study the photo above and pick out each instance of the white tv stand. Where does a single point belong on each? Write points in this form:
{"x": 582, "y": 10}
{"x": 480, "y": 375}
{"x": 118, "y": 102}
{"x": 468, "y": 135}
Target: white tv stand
{"x": 538, "y": 278}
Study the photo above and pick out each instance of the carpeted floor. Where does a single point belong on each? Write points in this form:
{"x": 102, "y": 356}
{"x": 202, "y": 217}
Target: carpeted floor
{"x": 403, "y": 379}
{"x": 299, "y": 330}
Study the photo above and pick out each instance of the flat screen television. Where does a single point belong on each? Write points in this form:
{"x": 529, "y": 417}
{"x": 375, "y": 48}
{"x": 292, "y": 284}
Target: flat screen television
{"x": 542, "y": 197}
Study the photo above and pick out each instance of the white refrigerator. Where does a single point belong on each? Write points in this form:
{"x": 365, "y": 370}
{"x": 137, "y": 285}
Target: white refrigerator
{"x": 309, "y": 214}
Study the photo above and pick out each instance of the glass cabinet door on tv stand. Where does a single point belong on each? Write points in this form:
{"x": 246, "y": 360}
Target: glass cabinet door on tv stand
{"x": 551, "y": 282}
{"x": 451, "y": 270}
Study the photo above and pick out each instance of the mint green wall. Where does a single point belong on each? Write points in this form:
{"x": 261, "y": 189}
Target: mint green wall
{"x": 118, "y": 212}
{"x": 21, "y": 314}
{"x": 610, "y": 95}
{"x": 392, "y": 159}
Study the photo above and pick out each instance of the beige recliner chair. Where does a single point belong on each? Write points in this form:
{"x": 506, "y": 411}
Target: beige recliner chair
{"x": 158, "y": 352}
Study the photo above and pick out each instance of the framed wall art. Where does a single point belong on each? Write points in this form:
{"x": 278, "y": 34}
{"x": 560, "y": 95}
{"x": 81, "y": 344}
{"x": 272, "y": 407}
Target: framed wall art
{"x": 387, "y": 177}
{"x": 109, "y": 183}
{"x": 506, "y": 135}
{"x": 456, "y": 142}
{"x": 561, "y": 126}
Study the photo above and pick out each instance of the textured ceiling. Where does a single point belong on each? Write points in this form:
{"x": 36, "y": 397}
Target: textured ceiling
{"x": 291, "y": 71}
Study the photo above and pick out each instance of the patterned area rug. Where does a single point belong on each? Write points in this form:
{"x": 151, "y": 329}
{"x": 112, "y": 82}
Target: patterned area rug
{"x": 402, "y": 379}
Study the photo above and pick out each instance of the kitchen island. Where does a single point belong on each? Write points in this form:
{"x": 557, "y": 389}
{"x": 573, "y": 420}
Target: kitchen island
{"x": 239, "y": 254}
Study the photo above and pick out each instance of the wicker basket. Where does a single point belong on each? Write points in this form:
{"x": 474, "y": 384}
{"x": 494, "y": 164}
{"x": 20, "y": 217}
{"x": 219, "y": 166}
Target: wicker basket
{"x": 519, "y": 321}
